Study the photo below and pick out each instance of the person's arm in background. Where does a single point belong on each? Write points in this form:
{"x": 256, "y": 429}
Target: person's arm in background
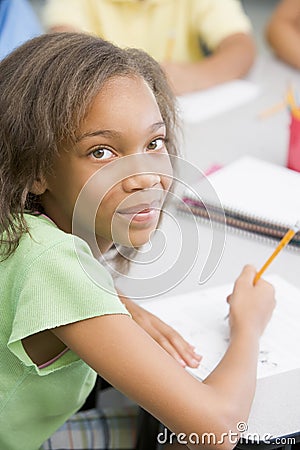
{"x": 231, "y": 60}
{"x": 283, "y": 32}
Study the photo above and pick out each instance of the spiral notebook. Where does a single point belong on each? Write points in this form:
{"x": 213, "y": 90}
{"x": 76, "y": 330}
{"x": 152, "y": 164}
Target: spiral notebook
{"x": 256, "y": 196}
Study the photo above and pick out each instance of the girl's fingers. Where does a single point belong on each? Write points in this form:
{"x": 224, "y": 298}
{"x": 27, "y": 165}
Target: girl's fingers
{"x": 167, "y": 337}
{"x": 186, "y": 358}
{"x": 179, "y": 348}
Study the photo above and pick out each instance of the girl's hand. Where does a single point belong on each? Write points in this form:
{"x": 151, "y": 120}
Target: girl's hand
{"x": 250, "y": 306}
{"x": 163, "y": 334}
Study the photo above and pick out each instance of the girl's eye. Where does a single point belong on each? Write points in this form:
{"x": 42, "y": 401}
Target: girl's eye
{"x": 102, "y": 153}
{"x": 156, "y": 144}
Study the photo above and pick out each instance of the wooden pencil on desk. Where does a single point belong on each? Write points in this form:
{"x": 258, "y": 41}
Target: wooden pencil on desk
{"x": 272, "y": 110}
{"x": 284, "y": 241}
{"x": 291, "y": 102}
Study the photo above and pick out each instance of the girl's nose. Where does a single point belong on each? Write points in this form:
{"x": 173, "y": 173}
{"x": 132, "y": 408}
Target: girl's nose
{"x": 141, "y": 181}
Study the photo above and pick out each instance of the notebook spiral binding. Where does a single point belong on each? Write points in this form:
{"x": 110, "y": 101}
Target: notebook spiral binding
{"x": 237, "y": 222}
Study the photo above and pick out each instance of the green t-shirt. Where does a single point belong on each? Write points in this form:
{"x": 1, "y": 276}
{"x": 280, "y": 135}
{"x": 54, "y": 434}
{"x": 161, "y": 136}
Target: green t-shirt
{"x": 50, "y": 280}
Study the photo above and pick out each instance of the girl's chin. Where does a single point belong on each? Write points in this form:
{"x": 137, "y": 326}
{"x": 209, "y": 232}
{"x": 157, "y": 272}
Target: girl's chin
{"x": 134, "y": 236}
{"x": 137, "y": 239}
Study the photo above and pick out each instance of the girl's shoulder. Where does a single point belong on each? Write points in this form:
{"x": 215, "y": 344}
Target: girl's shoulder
{"x": 47, "y": 250}
{"x": 43, "y": 232}
{"x": 45, "y": 238}
{"x": 46, "y": 253}
{"x": 41, "y": 224}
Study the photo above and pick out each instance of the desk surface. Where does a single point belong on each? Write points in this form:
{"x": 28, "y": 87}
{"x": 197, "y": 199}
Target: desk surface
{"x": 276, "y": 409}
{"x": 227, "y": 136}
{"x": 274, "y": 395}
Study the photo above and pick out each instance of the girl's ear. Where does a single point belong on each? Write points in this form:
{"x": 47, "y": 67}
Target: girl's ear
{"x": 39, "y": 186}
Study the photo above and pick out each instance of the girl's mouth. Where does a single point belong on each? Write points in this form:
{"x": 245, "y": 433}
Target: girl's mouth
{"x": 143, "y": 212}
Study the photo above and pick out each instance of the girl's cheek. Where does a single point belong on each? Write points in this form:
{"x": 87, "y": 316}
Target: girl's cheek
{"x": 167, "y": 183}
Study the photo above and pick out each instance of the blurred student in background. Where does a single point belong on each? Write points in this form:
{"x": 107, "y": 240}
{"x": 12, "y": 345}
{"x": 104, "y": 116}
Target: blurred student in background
{"x": 18, "y": 23}
{"x": 283, "y": 31}
{"x": 199, "y": 43}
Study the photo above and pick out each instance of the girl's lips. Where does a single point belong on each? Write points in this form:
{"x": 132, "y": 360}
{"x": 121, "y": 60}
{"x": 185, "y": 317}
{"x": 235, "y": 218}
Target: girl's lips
{"x": 141, "y": 213}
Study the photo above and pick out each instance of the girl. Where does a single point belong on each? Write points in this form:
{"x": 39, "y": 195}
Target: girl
{"x": 73, "y": 107}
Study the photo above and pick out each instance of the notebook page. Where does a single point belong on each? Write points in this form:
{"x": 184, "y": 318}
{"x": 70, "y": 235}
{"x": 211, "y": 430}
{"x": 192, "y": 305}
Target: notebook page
{"x": 257, "y": 188}
{"x": 199, "y": 317}
{"x": 202, "y": 105}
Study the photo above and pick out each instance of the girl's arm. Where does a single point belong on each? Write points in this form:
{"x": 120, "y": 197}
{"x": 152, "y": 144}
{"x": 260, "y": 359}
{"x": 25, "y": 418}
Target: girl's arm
{"x": 125, "y": 355}
{"x": 163, "y": 334}
{"x": 231, "y": 60}
{"x": 283, "y": 32}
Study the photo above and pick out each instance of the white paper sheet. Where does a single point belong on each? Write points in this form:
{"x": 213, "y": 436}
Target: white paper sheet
{"x": 199, "y": 317}
{"x": 198, "y": 106}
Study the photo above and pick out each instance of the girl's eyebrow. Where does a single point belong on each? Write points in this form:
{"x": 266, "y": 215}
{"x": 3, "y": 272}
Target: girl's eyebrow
{"x": 116, "y": 134}
{"x": 156, "y": 126}
{"x": 105, "y": 133}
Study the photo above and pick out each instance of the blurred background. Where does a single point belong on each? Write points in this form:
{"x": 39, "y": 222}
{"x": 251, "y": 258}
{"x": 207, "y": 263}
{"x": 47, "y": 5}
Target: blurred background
{"x": 258, "y": 11}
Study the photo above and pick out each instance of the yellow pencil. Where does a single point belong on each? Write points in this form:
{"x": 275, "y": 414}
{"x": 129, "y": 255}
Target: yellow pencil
{"x": 170, "y": 46}
{"x": 284, "y": 241}
{"x": 295, "y": 110}
{"x": 289, "y": 100}
{"x": 272, "y": 110}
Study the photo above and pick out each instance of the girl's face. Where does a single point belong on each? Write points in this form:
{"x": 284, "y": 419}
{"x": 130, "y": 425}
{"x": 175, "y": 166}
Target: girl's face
{"x": 119, "y": 170}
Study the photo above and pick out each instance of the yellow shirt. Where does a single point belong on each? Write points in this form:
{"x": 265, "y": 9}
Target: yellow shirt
{"x": 166, "y": 29}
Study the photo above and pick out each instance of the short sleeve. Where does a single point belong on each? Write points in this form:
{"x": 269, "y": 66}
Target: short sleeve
{"x": 218, "y": 19}
{"x": 62, "y": 285}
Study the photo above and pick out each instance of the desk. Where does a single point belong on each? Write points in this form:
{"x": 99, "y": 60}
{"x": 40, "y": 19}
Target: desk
{"x": 240, "y": 132}
{"x": 272, "y": 394}
{"x": 227, "y": 136}
{"x": 221, "y": 140}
